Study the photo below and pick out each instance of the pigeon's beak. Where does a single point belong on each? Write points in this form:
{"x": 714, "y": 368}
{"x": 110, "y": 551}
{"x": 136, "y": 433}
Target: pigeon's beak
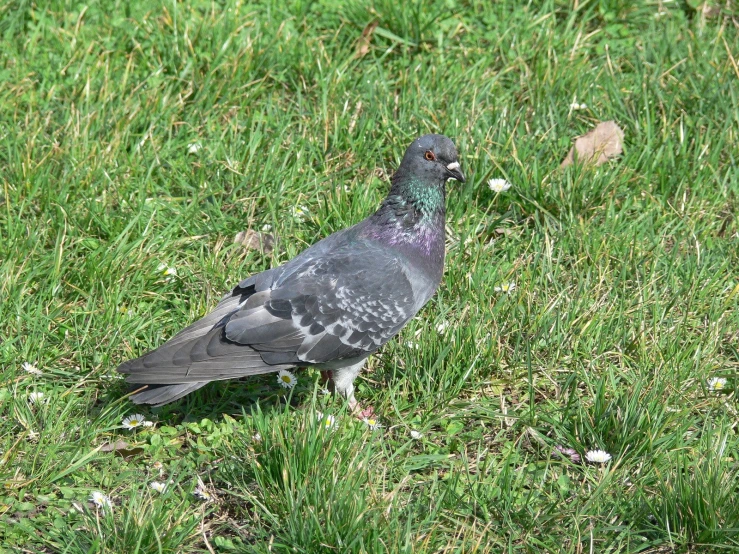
{"x": 454, "y": 172}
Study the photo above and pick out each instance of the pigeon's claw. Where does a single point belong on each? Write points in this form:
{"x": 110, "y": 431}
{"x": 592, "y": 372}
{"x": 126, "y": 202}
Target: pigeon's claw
{"x": 359, "y": 412}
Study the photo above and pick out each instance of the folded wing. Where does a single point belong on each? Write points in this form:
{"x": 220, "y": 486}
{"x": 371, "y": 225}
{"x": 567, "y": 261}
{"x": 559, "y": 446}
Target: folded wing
{"x": 343, "y": 305}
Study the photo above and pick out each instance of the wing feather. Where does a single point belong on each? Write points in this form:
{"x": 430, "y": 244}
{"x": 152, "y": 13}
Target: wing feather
{"x": 340, "y": 304}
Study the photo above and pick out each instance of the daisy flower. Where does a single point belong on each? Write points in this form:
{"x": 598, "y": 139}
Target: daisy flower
{"x": 499, "y": 185}
{"x": 36, "y": 398}
{"x": 158, "y": 486}
{"x": 597, "y": 456}
{"x": 201, "y": 493}
{"x": 416, "y": 435}
{"x": 299, "y": 213}
{"x": 372, "y": 423}
{"x": 194, "y": 147}
{"x": 30, "y": 368}
{"x": 327, "y": 421}
{"x": 286, "y": 379}
{"x": 100, "y": 500}
{"x": 508, "y": 288}
{"x": 134, "y": 421}
{"x": 166, "y": 270}
{"x": 716, "y": 384}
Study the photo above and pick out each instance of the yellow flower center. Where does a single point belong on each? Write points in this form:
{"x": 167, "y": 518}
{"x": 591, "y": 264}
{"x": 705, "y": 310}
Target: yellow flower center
{"x": 286, "y": 378}
{"x": 372, "y": 422}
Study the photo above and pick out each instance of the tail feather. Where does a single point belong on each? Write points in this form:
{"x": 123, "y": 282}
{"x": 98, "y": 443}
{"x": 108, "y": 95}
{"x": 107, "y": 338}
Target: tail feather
{"x": 202, "y": 353}
{"x": 159, "y": 395}
{"x": 190, "y": 360}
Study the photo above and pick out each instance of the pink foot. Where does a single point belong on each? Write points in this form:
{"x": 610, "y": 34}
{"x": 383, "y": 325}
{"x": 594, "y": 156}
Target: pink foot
{"x": 367, "y": 413}
{"x": 359, "y": 412}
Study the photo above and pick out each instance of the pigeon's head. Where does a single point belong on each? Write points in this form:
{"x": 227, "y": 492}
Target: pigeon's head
{"x": 432, "y": 157}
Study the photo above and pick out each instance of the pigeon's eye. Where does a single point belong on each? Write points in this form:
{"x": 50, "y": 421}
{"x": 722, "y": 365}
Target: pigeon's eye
{"x": 430, "y": 156}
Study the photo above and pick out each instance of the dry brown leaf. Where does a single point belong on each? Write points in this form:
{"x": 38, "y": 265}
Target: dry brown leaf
{"x": 122, "y": 448}
{"x": 709, "y": 10}
{"x": 363, "y": 44}
{"x": 253, "y": 240}
{"x": 117, "y": 445}
{"x": 598, "y": 146}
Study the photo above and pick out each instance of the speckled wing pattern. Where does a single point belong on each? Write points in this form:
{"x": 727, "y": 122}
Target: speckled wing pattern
{"x": 324, "y": 306}
{"x": 341, "y": 306}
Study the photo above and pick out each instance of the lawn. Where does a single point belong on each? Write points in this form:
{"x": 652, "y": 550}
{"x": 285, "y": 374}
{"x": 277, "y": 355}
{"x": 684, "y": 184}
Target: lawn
{"x": 137, "y": 139}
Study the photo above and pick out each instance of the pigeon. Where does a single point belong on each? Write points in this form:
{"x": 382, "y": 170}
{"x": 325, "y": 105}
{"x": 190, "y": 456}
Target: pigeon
{"x": 331, "y": 306}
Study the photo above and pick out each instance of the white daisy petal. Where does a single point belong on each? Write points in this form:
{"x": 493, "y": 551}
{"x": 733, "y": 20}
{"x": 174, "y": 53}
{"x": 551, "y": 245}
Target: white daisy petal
{"x": 416, "y": 435}
{"x": 299, "y": 213}
{"x": 499, "y": 185}
{"x": 329, "y": 421}
{"x": 372, "y": 423}
{"x": 158, "y": 486}
{"x": 30, "y": 368}
{"x": 201, "y": 493}
{"x": 286, "y": 379}
{"x": 134, "y": 421}
{"x": 598, "y": 456}
{"x": 168, "y": 271}
{"x": 36, "y": 398}
{"x": 716, "y": 384}
{"x": 507, "y": 288}
{"x": 100, "y": 500}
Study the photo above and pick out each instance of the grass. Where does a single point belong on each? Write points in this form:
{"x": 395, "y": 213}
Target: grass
{"x": 627, "y": 290}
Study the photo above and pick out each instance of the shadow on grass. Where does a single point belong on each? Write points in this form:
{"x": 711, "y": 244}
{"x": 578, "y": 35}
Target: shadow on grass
{"x": 222, "y": 397}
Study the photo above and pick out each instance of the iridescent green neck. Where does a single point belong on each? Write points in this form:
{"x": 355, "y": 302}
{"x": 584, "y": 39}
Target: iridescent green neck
{"x": 426, "y": 199}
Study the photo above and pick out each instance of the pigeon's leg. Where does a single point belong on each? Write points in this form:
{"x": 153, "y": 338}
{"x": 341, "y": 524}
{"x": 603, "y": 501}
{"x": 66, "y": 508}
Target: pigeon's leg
{"x": 343, "y": 379}
{"x": 326, "y": 378}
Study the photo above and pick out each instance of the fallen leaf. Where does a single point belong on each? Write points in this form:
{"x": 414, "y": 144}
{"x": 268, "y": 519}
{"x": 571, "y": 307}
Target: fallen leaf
{"x": 363, "y": 44}
{"x": 709, "y": 10}
{"x": 117, "y": 445}
{"x": 122, "y": 448}
{"x": 253, "y": 240}
{"x": 598, "y": 146}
